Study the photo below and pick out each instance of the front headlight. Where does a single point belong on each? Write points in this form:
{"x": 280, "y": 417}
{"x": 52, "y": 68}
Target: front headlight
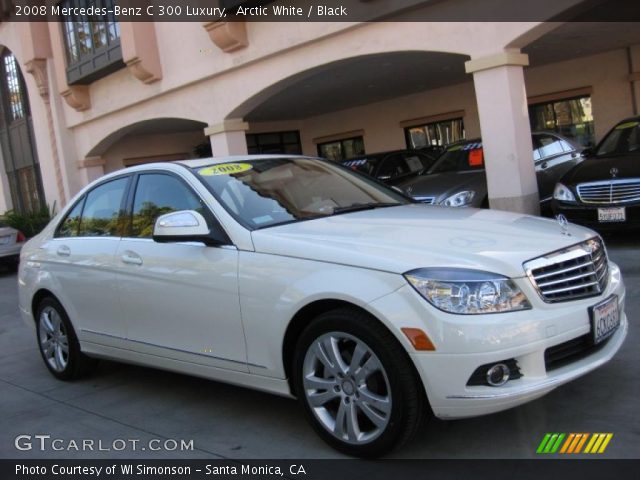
{"x": 562, "y": 193}
{"x": 460, "y": 199}
{"x": 467, "y": 292}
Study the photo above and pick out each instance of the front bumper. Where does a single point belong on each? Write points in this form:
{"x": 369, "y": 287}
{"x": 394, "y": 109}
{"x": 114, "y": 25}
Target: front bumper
{"x": 465, "y": 342}
{"x": 587, "y": 215}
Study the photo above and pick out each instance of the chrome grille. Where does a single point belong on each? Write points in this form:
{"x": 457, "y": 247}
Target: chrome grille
{"x": 610, "y": 191}
{"x": 427, "y": 200}
{"x": 576, "y": 272}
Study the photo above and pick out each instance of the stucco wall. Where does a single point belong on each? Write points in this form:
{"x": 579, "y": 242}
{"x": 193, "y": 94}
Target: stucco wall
{"x": 154, "y": 145}
{"x": 606, "y": 73}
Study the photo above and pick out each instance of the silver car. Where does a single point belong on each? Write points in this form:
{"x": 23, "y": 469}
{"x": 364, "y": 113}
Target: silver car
{"x": 11, "y": 241}
{"x": 458, "y": 177}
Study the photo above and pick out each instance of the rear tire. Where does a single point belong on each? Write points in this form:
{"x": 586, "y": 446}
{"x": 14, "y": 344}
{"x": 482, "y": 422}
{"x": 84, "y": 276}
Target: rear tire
{"x": 58, "y": 343}
{"x": 357, "y": 385}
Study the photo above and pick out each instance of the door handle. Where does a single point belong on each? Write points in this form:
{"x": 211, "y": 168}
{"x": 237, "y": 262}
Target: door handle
{"x": 131, "y": 258}
{"x": 63, "y": 251}
{"x": 544, "y": 165}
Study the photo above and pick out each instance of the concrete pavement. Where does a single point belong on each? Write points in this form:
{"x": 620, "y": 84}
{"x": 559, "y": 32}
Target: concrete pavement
{"x": 122, "y": 403}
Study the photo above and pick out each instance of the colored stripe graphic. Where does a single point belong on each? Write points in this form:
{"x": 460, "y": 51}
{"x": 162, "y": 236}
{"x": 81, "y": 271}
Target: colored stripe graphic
{"x": 573, "y": 443}
{"x": 550, "y": 443}
{"x": 598, "y": 443}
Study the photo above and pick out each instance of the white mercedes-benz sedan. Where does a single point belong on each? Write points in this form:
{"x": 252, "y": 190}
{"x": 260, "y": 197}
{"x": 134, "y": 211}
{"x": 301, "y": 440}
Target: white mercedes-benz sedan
{"x": 299, "y": 277}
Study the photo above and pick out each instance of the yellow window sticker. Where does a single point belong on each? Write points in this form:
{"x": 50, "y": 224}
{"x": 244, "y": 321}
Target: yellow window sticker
{"x": 624, "y": 126}
{"x": 225, "y": 169}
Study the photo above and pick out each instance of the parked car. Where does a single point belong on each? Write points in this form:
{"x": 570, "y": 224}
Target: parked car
{"x": 300, "y": 277}
{"x": 392, "y": 167}
{"x": 11, "y": 241}
{"x": 433, "y": 150}
{"x": 603, "y": 192}
{"x": 458, "y": 177}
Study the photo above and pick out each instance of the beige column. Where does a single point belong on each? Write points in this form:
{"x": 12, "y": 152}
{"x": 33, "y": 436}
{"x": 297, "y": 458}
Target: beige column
{"x": 5, "y": 195}
{"x": 506, "y": 133}
{"x": 91, "y": 168}
{"x": 634, "y": 76}
{"x": 228, "y": 138}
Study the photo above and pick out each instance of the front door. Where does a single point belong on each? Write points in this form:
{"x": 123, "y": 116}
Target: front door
{"x": 180, "y": 300}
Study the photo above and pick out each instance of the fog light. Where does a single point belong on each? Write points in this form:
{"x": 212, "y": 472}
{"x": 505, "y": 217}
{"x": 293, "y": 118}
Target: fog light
{"x": 498, "y": 375}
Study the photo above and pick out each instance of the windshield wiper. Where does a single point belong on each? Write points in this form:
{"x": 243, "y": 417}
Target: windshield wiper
{"x": 356, "y": 207}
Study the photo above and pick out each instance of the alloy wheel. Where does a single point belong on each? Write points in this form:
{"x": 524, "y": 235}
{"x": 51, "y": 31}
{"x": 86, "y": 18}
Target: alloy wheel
{"x": 54, "y": 342}
{"x": 347, "y": 387}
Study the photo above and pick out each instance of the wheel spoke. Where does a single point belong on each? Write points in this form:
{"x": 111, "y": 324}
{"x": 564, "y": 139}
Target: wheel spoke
{"x": 45, "y": 321}
{"x": 370, "y": 366}
{"x": 47, "y": 347}
{"x": 377, "y": 419}
{"x": 328, "y": 353}
{"x": 317, "y": 383}
{"x": 64, "y": 345}
{"x": 356, "y": 360}
{"x": 319, "y": 399}
{"x": 59, "y": 359}
{"x": 353, "y": 428}
{"x": 339, "y": 427}
{"x": 56, "y": 321}
{"x": 331, "y": 346}
{"x": 377, "y": 401}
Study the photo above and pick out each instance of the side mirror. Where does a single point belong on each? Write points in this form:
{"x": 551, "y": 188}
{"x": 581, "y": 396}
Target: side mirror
{"x": 185, "y": 226}
{"x": 587, "y": 152}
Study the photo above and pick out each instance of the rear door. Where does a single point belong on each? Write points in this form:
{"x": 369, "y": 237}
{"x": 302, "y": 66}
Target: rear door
{"x": 180, "y": 300}
{"x": 80, "y": 259}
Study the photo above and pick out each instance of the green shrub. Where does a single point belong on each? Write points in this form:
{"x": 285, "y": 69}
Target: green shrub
{"x": 30, "y": 223}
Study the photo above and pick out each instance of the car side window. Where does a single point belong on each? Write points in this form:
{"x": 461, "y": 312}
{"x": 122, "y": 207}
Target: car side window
{"x": 393, "y": 166}
{"x": 156, "y": 195}
{"x": 101, "y": 215}
{"x": 70, "y": 226}
{"x": 548, "y": 146}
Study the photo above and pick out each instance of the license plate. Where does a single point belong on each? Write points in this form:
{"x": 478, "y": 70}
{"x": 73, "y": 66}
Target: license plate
{"x": 5, "y": 239}
{"x": 605, "y": 319}
{"x": 612, "y": 214}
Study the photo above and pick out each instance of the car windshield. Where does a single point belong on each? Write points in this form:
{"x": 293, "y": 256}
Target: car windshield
{"x": 268, "y": 192}
{"x": 624, "y": 138}
{"x": 460, "y": 158}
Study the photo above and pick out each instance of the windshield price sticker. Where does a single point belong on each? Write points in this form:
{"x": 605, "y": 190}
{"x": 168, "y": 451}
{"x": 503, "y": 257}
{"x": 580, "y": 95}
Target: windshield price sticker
{"x": 225, "y": 169}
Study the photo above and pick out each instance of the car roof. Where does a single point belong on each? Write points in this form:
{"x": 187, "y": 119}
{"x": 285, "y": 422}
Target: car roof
{"x": 382, "y": 154}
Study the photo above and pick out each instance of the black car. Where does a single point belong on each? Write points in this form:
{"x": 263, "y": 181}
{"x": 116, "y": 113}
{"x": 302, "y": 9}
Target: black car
{"x": 458, "y": 177}
{"x": 392, "y": 167}
{"x": 603, "y": 192}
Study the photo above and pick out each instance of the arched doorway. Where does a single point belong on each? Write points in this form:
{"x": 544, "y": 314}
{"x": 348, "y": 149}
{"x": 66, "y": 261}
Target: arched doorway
{"x": 16, "y": 137}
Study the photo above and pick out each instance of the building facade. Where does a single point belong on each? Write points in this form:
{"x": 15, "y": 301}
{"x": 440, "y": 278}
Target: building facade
{"x": 82, "y": 99}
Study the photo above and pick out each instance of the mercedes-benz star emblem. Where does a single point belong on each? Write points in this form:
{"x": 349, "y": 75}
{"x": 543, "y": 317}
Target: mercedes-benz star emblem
{"x": 614, "y": 172}
{"x": 564, "y": 224}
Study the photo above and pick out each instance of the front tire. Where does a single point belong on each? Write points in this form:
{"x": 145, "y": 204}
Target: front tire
{"x": 58, "y": 343}
{"x": 357, "y": 384}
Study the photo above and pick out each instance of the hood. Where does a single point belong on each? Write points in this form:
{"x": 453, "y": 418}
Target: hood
{"x": 599, "y": 168}
{"x": 442, "y": 185}
{"x": 399, "y": 239}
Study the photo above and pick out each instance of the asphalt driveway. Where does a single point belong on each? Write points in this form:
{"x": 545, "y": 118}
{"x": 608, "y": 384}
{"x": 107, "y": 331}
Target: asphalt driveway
{"x": 122, "y": 403}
